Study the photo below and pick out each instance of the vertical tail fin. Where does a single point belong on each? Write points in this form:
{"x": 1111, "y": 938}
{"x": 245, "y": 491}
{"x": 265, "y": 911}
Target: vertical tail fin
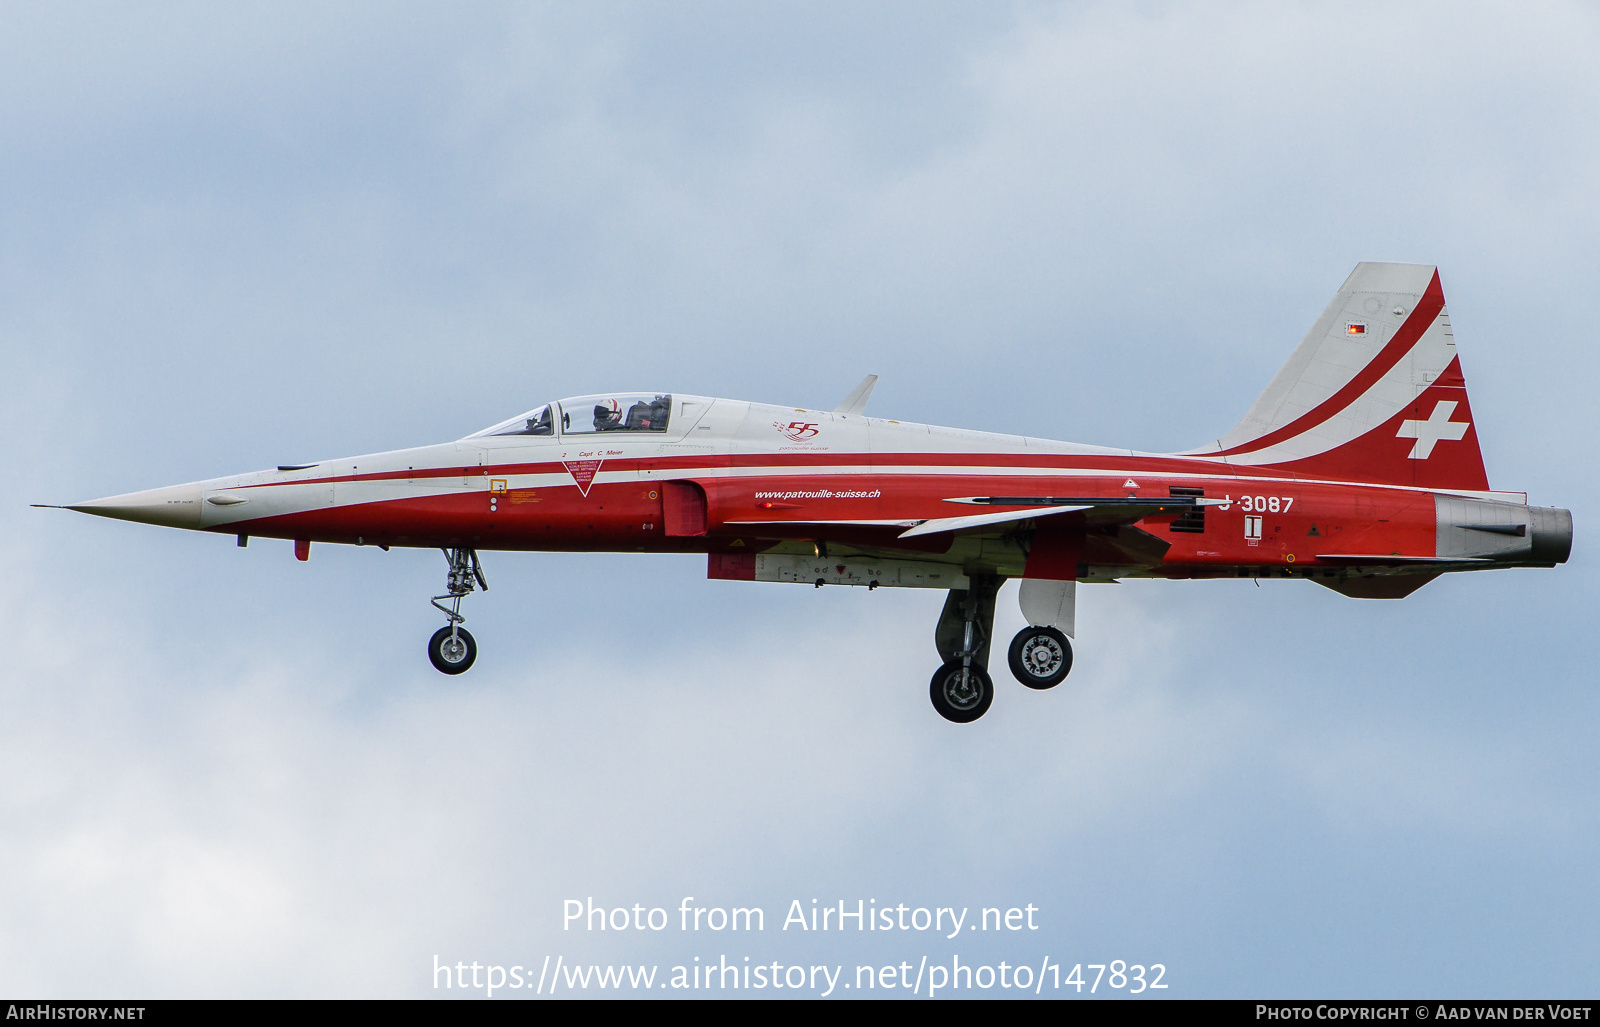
{"x": 1374, "y": 392}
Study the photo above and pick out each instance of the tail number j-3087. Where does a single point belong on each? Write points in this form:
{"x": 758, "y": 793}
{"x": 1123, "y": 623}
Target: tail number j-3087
{"x": 1260, "y": 504}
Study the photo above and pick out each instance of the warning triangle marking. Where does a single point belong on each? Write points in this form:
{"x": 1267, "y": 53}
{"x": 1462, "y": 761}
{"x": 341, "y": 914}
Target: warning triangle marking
{"x": 583, "y": 472}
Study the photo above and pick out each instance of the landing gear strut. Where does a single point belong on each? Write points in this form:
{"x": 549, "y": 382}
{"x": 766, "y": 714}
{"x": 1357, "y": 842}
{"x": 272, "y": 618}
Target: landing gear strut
{"x": 452, "y": 648}
{"x": 961, "y": 689}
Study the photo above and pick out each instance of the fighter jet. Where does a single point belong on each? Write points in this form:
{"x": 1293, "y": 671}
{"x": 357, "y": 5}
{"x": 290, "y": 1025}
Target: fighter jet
{"x": 1358, "y": 468}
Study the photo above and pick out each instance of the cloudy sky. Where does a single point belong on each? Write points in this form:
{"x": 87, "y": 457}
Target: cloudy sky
{"x": 233, "y": 237}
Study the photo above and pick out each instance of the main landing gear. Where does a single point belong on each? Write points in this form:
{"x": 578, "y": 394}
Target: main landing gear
{"x": 961, "y": 690}
{"x": 1040, "y": 657}
{"x": 452, "y": 648}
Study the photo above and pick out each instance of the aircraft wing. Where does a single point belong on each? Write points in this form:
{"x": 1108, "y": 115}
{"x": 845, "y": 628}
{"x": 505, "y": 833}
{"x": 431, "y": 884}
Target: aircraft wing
{"x": 938, "y": 524}
{"x": 1099, "y": 511}
{"x": 901, "y": 523}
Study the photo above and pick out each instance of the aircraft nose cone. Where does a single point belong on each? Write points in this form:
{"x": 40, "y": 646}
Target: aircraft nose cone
{"x": 176, "y": 506}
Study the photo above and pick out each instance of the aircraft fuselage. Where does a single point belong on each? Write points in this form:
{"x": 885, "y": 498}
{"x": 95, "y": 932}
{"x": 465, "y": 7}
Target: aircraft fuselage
{"x": 1358, "y": 468}
{"x": 855, "y": 484}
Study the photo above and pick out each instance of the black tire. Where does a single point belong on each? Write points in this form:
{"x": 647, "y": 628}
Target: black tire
{"x": 1040, "y": 657}
{"x": 448, "y": 658}
{"x": 954, "y": 703}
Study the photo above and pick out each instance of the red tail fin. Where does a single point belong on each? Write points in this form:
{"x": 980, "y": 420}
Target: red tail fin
{"x": 1374, "y": 392}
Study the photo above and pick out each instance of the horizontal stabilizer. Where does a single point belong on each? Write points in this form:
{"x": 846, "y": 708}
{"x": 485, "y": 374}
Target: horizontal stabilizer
{"x": 1378, "y": 586}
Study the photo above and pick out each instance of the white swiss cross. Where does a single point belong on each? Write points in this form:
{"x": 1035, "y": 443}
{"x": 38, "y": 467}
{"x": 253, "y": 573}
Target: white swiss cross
{"x": 1436, "y": 428}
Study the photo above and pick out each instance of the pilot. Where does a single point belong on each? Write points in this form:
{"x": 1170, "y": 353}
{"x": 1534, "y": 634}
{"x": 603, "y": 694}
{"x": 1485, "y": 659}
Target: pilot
{"x": 607, "y": 416}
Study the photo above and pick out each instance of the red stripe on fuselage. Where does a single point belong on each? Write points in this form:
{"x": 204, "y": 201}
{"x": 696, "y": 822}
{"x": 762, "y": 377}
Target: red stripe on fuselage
{"x": 866, "y": 462}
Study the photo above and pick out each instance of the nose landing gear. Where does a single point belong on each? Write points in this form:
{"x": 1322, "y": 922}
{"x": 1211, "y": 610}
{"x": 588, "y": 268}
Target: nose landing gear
{"x": 452, "y": 649}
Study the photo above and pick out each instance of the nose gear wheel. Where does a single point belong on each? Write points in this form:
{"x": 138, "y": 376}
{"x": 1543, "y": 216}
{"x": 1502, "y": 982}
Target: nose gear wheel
{"x": 452, "y": 649}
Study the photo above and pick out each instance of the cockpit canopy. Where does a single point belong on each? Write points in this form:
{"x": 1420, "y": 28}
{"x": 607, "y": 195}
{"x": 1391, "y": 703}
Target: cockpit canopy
{"x": 588, "y": 415}
{"x": 534, "y": 422}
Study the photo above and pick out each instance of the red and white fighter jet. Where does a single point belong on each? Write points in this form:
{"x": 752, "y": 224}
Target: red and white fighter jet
{"x": 1358, "y": 468}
